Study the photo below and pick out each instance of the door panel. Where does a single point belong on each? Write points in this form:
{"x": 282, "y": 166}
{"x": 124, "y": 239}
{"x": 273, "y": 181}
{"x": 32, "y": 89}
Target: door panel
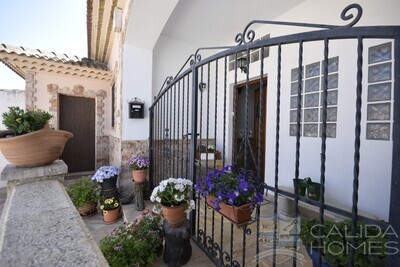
{"x": 77, "y": 115}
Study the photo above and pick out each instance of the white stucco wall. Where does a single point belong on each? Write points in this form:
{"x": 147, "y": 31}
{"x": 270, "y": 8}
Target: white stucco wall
{"x": 9, "y": 98}
{"x": 137, "y": 82}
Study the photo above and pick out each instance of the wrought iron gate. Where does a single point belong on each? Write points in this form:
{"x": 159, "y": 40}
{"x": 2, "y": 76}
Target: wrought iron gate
{"x": 193, "y": 108}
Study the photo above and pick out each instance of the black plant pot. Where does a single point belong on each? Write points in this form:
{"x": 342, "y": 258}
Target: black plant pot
{"x": 109, "y": 189}
{"x": 109, "y": 184}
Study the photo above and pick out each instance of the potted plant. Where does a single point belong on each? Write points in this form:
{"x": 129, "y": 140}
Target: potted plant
{"x": 173, "y": 195}
{"x": 306, "y": 187}
{"x": 233, "y": 193}
{"x": 29, "y": 141}
{"x": 134, "y": 244}
{"x": 370, "y": 246}
{"x": 107, "y": 177}
{"x": 207, "y": 153}
{"x": 138, "y": 165}
{"x": 84, "y": 195}
{"x": 110, "y": 209}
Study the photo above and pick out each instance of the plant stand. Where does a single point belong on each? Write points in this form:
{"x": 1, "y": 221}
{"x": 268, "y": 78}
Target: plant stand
{"x": 177, "y": 248}
{"x": 109, "y": 193}
{"x": 138, "y": 189}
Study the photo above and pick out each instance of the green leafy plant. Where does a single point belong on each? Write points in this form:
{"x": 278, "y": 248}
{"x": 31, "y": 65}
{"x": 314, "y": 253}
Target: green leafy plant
{"x": 134, "y": 244}
{"x": 20, "y": 122}
{"x": 370, "y": 242}
{"x": 83, "y": 191}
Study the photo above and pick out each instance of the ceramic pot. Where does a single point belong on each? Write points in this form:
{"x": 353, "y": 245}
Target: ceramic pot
{"x": 38, "y": 148}
{"x": 88, "y": 209}
{"x": 110, "y": 183}
{"x": 111, "y": 216}
{"x": 237, "y": 215}
{"x": 139, "y": 176}
{"x": 175, "y": 216}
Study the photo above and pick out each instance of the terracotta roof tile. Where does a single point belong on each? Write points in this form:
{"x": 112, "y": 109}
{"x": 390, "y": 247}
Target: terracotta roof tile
{"x": 52, "y": 56}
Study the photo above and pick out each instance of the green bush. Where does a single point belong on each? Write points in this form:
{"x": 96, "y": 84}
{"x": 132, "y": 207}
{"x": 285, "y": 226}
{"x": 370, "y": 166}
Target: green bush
{"x": 20, "y": 122}
{"x": 134, "y": 244}
{"x": 83, "y": 191}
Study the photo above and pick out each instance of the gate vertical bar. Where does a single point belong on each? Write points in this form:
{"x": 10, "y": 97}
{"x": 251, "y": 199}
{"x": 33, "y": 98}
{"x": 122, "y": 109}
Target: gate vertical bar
{"x": 194, "y": 141}
{"x": 356, "y": 171}
{"x": 394, "y": 218}
{"x": 323, "y": 146}
{"x": 151, "y": 183}
{"x": 278, "y": 119}
{"x": 298, "y": 134}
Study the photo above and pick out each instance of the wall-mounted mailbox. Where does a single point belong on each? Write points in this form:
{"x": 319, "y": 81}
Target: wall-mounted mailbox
{"x": 136, "y": 110}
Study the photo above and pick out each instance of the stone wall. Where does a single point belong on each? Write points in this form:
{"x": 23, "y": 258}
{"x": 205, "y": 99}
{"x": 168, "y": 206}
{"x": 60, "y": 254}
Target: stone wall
{"x": 129, "y": 149}
{"x": 55, "y": 234}
{"x": 30, "y": 90}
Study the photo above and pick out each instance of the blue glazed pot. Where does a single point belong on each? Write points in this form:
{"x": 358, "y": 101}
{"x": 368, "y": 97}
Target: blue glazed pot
{"x": 314, "y": 257}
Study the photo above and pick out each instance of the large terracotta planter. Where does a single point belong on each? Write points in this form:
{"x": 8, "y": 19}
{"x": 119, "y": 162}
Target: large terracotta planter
{"x": 111, "y": 216}
{"x": 139, "y": 176}
{"x": 38, "y": 148}
{"x": 88, "y": 209}
{"x": 175, "y": 216}
{"x": 237, "y": 215}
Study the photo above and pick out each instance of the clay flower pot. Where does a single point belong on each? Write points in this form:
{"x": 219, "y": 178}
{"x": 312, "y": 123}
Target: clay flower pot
{"x": 111, "y": 216}
{"x": 237, "y": 215}
{"x": 38, "y": 148}
{"x": 139, "y": 176}
{"x": 175, "y": 216}
{"x": 88, "y": 209}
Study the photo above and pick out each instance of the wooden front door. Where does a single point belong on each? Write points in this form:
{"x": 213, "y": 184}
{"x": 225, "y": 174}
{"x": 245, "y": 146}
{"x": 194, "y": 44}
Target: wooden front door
{"x": 77, "y": 115}
{"x": 253, "y": 124}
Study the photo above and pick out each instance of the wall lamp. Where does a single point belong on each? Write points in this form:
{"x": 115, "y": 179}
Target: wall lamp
{"x": 242, "y": 64}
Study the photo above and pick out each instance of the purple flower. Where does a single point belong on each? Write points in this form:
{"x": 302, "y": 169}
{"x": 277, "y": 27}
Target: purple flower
{"x": 118, "y": 247}
{"x": 230, "y": 186}
{"x": 138, "y": 163}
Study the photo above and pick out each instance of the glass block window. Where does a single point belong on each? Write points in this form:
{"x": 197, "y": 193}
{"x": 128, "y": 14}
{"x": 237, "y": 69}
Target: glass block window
{"x": 312, "y": 97}
{"x": 379, "y": 95}
{"x": 254, "y": 55}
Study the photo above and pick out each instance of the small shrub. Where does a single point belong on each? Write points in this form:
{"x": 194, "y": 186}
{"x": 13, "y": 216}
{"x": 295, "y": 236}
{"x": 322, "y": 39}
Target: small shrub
{"x": 134, "y": 244}
{"x": 83, "y": 191}
{"x": 20, "y": 122}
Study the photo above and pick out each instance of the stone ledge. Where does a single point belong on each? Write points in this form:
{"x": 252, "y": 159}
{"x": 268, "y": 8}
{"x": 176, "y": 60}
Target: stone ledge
{"x": 40, "y": 227}
{"x": 12, "y": 173}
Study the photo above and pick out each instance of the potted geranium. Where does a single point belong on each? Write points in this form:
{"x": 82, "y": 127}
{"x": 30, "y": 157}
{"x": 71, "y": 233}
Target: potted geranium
{"x": 173, "y": 195}
{"x": 110, "y": 209}
{"x": 29, "y": 141}
{"x": 107, "y": 177}
{"x": 138, "y": 165}
{"x": 134, "y": 244}
{"x": 84, "y": 194}
{"x": 233, "y": 193}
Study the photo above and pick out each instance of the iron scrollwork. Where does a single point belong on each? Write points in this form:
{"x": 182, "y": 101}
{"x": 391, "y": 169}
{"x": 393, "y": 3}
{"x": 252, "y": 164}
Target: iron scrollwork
{"x": 247, "y": 36}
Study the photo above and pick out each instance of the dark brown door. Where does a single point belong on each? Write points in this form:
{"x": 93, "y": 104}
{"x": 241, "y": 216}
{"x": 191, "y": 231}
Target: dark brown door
{"x": 77, "y": 115}
{"x": 253, "y": 143}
